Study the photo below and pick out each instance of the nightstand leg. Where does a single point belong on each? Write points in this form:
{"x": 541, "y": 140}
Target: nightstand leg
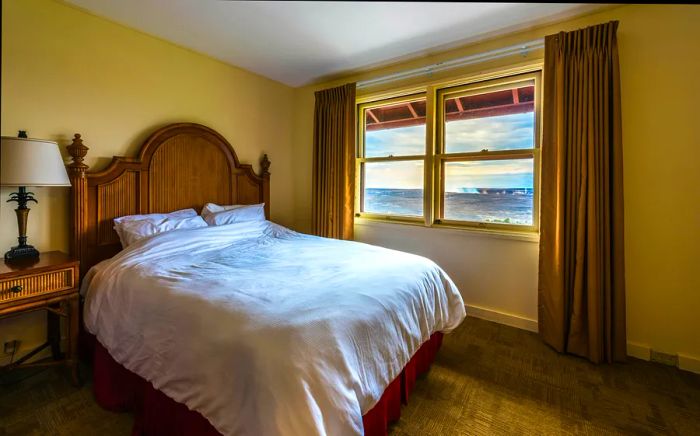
{"x": 53, "y": 334}
{"x": 73, "y": 317}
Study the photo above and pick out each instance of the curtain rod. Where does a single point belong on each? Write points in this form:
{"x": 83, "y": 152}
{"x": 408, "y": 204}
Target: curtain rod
{"x": 522, "y": 49}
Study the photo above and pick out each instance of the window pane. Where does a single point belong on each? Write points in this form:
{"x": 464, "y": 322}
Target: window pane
{"x": 499, "y": 120}
{"x": 395, "y": 130}
{"x": 491, "y": 191}
{"x": 394, "y": 188}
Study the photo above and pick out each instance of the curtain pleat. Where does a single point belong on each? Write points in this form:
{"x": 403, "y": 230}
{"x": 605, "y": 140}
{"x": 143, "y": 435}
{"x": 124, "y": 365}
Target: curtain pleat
{"x": 581, "y": 287}
{"x": 334, "y": 162}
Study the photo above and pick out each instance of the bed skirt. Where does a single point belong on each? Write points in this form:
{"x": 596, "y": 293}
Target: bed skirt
{"x": 118, "y": 389}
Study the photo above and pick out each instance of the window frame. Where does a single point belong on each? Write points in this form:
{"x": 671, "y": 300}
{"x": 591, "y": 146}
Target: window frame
{"x": 441, "y": 155}
{"x": 435, "y": 156}
{"x": 360, "y": 159}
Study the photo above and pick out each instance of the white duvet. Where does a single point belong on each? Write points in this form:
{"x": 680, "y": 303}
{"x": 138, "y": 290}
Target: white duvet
{"x": 266, "y": 331}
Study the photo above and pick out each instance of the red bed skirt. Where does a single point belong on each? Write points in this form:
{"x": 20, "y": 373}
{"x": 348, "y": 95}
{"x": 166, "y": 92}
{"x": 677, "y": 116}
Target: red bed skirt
{"x": 118, "y": 389}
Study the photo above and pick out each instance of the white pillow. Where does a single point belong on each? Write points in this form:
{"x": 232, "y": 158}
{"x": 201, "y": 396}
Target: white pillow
{"x": 255, "y": 212}
{"x": 211, "y": 208}
{"x": 118, "y": 222}
{"x": 157, "y": 216}
{"x": 136, "y": 230}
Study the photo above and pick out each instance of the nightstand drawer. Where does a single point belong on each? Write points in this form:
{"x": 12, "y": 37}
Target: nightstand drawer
{"x": 37, "y": 284}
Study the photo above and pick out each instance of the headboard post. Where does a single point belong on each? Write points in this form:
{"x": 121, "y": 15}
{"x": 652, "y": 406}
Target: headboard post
{"x": 76, "y": 173}
{"x": 265, "y": 166}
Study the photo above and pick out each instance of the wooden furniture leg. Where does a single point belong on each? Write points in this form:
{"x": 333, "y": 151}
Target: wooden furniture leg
{"x": 72, "y": 358}
{"x": 53, "y": 333}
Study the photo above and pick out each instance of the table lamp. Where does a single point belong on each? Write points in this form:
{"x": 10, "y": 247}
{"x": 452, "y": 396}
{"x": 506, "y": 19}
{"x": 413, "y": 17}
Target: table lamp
{"x": 28, "y": 162}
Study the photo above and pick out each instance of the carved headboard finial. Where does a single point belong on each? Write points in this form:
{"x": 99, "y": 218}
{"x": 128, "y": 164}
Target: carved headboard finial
{"x": 77, "y": 173}
{"x": 265, "y": 165}
{"x": 77, "y": 150}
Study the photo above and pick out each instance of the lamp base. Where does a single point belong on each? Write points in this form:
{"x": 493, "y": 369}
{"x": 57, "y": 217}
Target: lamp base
{"x": 22, "y": 252}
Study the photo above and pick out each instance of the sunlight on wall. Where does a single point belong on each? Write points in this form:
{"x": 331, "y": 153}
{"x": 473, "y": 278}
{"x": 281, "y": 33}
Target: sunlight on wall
{"x": 660, "y": 141}
{"x": 66, "y": 71}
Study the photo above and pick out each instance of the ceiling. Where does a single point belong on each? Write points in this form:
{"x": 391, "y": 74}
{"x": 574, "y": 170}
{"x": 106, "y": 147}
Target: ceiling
{"x": 298, "y": 43}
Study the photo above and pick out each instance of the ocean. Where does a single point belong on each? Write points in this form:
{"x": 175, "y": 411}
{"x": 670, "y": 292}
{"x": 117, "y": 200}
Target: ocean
{"x": 512, "y": 206}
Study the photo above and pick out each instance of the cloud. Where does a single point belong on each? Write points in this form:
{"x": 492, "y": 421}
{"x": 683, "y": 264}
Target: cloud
{"x": 493, "y": 133}
{"x": 485, "y": 167}
{"x": 404, "y": 141}
{"x": 396, "y": 175}
{"x": 504, "y": 132}
{"x": 511, "y": 173}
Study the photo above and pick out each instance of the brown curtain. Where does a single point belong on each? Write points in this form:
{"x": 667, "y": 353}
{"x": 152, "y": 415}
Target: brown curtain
{"x": 334, "y": 162}
{"x": 581, "y": 264}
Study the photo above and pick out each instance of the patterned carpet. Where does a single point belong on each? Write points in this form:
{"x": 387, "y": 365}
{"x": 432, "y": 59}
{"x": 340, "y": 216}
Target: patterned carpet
{"x": 488, "y": 379}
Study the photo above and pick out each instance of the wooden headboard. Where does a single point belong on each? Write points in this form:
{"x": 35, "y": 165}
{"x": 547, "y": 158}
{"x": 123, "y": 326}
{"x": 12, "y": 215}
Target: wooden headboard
{"x": 179, "y": 166}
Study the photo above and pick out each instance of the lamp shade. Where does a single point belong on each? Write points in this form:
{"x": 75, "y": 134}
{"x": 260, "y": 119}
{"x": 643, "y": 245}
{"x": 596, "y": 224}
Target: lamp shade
{"x": 31, "y": 162}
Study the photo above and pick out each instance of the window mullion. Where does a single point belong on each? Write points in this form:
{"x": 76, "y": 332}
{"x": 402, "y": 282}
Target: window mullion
{"x": 429, "y": 177}
{"x": 438, "y": 150}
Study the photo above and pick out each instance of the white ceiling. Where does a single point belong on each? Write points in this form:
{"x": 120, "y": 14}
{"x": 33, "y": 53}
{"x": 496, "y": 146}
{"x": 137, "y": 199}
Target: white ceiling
{"x": 297, "y": 43}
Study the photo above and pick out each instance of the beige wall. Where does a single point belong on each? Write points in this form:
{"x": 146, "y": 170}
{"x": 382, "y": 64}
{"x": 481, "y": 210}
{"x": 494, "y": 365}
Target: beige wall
{"x": 659, "y": 61}
{"x": 66, "y": 71}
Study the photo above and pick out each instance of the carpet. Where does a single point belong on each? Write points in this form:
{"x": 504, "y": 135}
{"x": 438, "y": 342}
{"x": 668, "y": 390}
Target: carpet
{"x": 488, "y": 379}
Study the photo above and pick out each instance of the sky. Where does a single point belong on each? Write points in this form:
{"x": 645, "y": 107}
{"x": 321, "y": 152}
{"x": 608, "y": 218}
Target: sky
{"x": 493, "y": 133}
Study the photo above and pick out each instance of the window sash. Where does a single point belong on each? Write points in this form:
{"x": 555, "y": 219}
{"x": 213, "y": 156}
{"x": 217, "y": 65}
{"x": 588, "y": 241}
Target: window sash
{"x": 362, "y": 116}
{"x": 487, "y": 87}
{"x": 360, "y": 205}
{"x": 361, "y": 159}
{"x": 439, "y": 194}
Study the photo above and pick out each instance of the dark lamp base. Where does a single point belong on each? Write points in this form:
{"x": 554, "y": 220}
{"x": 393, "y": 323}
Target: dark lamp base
{"x": 22, "y": 252}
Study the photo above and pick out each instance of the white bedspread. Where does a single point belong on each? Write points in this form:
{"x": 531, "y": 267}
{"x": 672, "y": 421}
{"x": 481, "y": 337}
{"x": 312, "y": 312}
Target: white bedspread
{"x": 266, "y": 331}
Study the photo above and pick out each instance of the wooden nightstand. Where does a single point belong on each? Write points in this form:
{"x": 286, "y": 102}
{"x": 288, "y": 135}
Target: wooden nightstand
{"x": 49, "y": 283}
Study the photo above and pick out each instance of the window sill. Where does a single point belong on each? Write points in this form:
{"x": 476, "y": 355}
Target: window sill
{"x": 457, "y": 230}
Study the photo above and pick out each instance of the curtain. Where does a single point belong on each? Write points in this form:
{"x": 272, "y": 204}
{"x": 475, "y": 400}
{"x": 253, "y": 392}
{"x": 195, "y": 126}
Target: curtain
{"x": 334, "y": 162}
{"x": 581, "y": 290}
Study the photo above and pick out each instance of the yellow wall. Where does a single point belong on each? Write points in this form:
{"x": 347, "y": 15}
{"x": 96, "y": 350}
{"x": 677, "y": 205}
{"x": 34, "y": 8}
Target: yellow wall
{"x": 66, "y": 71}
{"x": 660, "y": 62}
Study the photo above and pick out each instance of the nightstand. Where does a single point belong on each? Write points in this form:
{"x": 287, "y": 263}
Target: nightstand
{"x": 49, "y": 283}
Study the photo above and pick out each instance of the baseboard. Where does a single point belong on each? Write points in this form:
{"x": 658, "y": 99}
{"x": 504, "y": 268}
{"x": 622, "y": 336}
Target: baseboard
{"x": 640, "y": 351}
{"x": 643, "y": 352}
{"x": 502, "y": 318}
{"x": 689, "y": 363}
{"x": 634, "y": 349}
{"x": 43, "y": 354}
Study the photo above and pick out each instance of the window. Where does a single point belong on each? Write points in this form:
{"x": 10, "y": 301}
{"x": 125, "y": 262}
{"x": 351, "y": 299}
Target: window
{"x": 478, "y": 168}
{"x": 486, "y": 159}
{"x": 392, "y": 160}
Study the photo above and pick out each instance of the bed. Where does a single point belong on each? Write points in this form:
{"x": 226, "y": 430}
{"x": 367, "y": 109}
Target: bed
{"x": 248, "y": 328}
